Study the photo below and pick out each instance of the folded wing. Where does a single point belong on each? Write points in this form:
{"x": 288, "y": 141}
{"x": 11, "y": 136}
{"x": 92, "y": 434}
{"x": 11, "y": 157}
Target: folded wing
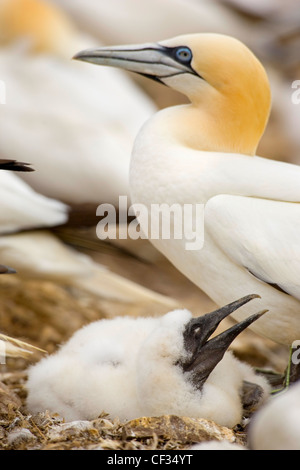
{"x": 262, "y": 235}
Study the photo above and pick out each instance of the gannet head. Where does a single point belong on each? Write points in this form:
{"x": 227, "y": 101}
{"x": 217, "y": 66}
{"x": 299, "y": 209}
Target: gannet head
{"x": 178, "y": 357}
{"x": 42, "y": 26}
{"x": 218, "y": 73}
{"x": 202, "y": 354}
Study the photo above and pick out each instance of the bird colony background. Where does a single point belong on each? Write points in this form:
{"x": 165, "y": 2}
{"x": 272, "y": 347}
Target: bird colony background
{"x": 76, "y": 124}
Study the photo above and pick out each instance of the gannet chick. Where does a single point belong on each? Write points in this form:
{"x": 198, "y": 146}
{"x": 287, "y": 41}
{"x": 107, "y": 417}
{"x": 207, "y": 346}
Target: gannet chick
{"x": 276, "y": 426}
{"x": 133, "y": 367}
{"x": 204, "y": 153}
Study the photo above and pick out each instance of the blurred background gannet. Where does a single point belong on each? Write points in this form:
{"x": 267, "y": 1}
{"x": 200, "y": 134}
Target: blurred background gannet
{"x": 35, "y": 253}
{"x": 205, "y": 153}
{"x": 149, "y": 367}
{"x": 41, "y": 255}
{"x": 112, "y": 22}
{"x": 77, "y": 139}
{"x": 276, "y": 426}
{"x": 22, "y": 208}
{"x": 77, "y": 136}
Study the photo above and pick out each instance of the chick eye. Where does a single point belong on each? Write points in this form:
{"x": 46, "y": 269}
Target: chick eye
{"x": 183, "y": 54}
{"x": 197, "y": 332}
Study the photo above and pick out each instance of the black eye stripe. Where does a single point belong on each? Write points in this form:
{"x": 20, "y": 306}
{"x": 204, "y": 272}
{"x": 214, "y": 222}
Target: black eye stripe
{"x": 175, "y": 51}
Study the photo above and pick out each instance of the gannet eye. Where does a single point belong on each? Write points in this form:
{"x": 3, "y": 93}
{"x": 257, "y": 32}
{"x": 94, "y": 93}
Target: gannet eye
{"x": 183, "y": 55}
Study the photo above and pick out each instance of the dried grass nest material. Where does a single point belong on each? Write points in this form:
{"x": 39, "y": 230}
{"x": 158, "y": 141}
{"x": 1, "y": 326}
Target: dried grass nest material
{"x": 22, "y": 431}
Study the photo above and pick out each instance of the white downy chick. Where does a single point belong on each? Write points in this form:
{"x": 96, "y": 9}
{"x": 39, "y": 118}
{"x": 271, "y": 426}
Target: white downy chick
{"x": 132, "y": 367}
{"x": 276, "y": 426}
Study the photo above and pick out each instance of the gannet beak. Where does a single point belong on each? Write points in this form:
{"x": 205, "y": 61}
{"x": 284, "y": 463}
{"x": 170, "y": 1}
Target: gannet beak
{"x": 206, "y": 354}
{"x": 151, "y": 60}
{"x": 7, "y": 270}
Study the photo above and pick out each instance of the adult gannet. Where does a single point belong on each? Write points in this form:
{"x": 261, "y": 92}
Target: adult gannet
{"x": 75, "y": 134}
{"x": 133, "y": 367}
{"x": 205, "y": 153}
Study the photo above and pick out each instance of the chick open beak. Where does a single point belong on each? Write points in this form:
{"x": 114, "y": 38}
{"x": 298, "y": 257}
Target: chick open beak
{"x": 151, "y": 60}
{"x": 205, "y": 354}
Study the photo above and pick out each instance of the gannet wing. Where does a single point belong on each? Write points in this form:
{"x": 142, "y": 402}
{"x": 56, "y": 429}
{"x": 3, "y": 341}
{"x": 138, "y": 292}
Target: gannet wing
{"x": 244, "y": 175}
{"x": 22, "y": 208}
{"x": 261, "y": 235}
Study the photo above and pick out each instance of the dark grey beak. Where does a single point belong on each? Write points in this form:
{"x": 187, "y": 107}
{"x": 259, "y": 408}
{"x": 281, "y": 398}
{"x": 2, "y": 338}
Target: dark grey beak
{"x": 7, "y": 270}
{"x": 205, "y": 354}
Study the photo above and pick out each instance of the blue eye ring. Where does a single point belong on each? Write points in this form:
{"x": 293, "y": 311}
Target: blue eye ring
{"x": 184, "y": 55}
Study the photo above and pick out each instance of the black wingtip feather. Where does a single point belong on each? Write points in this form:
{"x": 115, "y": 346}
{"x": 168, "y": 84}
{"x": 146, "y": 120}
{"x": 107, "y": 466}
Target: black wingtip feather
{"x": 14, "y": 165}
